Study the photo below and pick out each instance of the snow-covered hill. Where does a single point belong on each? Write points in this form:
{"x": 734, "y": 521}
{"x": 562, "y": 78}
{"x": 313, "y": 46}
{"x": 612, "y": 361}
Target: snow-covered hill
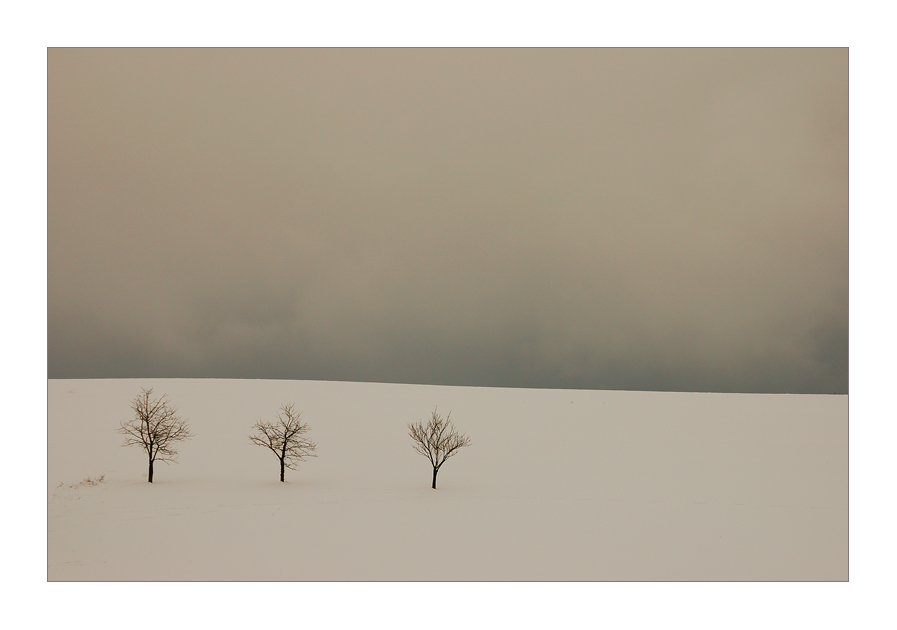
{"x": 557, "y": 485}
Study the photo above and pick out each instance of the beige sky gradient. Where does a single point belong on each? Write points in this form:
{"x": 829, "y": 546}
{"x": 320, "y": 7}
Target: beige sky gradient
{"x": 590, "y": 218}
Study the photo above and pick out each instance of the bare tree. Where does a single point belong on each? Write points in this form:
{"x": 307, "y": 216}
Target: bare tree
{"x": 437, "y": 440}
{"x": 156, "y": 427}
{"x": 284, "y": 438}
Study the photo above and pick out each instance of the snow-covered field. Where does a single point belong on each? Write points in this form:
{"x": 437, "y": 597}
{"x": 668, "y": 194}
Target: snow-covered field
{"x": 557, "y": 485}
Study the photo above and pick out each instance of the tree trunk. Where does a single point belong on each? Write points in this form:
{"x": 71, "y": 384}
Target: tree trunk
{"x": 281, "y": 470}
{"x": 435, "y": 470}
{"x": 150, "y": 475}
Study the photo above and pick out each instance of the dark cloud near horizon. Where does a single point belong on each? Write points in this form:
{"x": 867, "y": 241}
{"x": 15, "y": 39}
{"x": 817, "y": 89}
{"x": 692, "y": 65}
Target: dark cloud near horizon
{"x": 623, "y": 219}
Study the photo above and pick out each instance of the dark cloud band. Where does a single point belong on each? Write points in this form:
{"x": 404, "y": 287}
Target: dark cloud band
{"x": 627, "y": 219}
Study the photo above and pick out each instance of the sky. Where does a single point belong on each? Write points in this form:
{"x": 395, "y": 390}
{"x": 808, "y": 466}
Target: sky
{"x": 641, "y": 219}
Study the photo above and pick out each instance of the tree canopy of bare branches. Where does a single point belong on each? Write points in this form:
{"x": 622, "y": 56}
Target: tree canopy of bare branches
{"x": 437, "y": 440}
{"x": 156, "y": 427}
{"x": 284, "y": 438}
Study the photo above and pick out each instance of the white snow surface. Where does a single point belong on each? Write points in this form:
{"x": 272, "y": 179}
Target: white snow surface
{"x": 557, "y": 485}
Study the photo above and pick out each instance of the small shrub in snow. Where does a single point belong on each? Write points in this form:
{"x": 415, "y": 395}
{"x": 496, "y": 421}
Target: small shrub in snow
{"x": 84, "y": 482}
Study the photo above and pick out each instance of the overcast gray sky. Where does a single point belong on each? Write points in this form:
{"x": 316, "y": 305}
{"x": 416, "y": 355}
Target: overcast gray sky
{"x": 588, "y": 218}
